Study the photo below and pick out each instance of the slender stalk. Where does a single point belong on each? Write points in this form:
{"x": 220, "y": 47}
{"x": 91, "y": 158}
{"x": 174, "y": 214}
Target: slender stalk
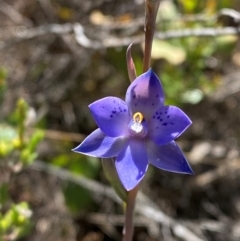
{"x": 129, "y": 213}
{"x": 150, "y": 19}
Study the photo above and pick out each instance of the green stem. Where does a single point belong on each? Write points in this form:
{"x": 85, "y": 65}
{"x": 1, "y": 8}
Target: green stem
{"x": 129, "y": 213}
{"x": 22, "y": 112}
{"x": 150, "y": 19}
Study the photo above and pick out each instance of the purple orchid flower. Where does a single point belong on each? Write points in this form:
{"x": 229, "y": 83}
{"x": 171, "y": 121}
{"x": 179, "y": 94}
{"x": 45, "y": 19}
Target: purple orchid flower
{"x": 138, "y": 132}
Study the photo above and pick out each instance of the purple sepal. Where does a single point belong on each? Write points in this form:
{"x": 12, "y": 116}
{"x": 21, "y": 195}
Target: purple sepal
{"x": 111, "y": 115}
{"x": 167, "y": 123}
{"x": 168, "y": 157}
{"x": 145, "y": 94}
{"x": 97, "y": 144}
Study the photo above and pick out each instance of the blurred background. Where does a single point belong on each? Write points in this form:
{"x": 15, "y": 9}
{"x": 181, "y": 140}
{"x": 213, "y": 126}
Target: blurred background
{"x": 57, "y": 57}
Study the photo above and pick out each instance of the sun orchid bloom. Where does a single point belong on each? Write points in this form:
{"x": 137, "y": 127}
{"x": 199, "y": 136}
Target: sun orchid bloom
{"x": 137, "y": 132}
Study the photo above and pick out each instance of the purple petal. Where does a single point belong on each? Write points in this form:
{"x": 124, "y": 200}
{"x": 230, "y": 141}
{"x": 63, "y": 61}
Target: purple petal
{"x": 132, "y": 163}
{"x": 111, "y": 115}
{"x": 145, "y": 94}
{"x": 97, "y": 144}
{"x": 168, "y": 157}
{"x": 167, "y": 123}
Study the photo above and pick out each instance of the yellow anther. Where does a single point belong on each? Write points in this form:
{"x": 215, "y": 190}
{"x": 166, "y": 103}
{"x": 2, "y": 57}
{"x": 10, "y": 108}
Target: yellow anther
{"x": 138, "y": 117}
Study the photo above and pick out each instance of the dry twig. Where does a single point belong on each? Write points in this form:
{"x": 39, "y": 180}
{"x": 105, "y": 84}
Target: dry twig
{"x": 110, "y": 41}
{"x": 14, "y": 15}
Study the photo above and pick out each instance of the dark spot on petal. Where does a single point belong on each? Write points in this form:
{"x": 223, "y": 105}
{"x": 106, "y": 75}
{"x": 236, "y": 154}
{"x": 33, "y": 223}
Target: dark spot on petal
{"x": 156, "y": 113}
{"x": 164, "y": 124}
{"x": 134, "y": 96}
{"x": 156, "y": 127}
{"x": 158, "y": 117}
{"x": 135, "y": 104}
{"x": 114, "y": 112}
{"x": 111, "y": 116}
{"x": 157, "y": 95}
{"x": 154, "y": 117}
{"x": 171, "y": 123}
{"x": 153, "y": 104}
{"x": 161, "y": 119}
{"x": 168, "y": 116}
{"x": 160, "y": 113}
{"x": 165, "y": 112}
{"x": 125, "y": 110}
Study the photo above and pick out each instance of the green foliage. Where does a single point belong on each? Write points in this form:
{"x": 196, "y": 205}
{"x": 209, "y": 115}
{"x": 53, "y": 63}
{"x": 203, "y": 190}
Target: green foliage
{"x": 21, "y": 113}
{"x": 76, "y": 197}
{"x": 185, "y": 71}
{"x": 14, "y": 138}
{"x": 164, "y": 50}
{"x": 8, "y": 136}
{"x": 3, "y": 76}
{"x": 16, "y": 144}
{"x": 78, "y": 164}
{"x": 189, "y": 5}
{"x": 3, "y": 194}
{"x": 15, "y": 222}
{"x": 28, "y": 153}
{"x": 118, "y": 59}
{"x": 209, "y": 6}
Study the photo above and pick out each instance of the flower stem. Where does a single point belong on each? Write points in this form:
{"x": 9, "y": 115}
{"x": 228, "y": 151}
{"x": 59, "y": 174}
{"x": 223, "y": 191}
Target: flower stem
{"x": 150, "y": 19}
{"x": 129, "y": 213}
